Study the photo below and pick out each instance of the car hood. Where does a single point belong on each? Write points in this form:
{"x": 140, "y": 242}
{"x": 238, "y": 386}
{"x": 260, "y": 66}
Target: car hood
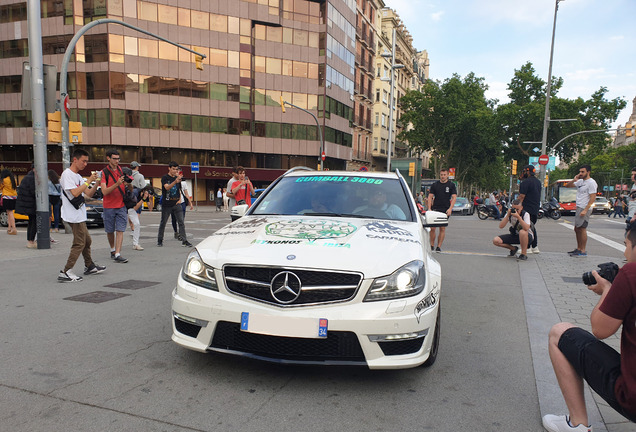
{"x": 346, "y": 244}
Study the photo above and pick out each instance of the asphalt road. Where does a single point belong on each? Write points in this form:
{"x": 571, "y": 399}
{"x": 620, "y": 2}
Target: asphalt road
{"x": 85, "y": 366}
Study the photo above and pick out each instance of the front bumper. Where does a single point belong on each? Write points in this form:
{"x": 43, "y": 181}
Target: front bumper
{"x": 389, "y": 334}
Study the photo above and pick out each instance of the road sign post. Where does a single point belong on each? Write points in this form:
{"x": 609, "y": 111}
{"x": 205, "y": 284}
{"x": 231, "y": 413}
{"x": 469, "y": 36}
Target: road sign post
{"x": 194, "y": 169}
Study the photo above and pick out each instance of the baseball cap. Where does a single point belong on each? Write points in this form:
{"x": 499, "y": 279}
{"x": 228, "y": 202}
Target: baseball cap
{"x": 135, "y": 164}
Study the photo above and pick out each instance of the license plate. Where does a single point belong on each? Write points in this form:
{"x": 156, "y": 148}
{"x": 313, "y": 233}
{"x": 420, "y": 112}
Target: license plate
{"x": 309, "y": 328}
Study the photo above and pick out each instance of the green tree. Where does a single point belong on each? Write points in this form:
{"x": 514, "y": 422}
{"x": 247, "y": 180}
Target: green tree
{"x": 455, "y": 121}
{"x": 521, "y": 119}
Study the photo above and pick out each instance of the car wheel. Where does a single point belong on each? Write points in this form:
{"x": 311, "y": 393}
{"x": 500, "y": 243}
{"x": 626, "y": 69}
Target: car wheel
{"x": 158, "y": 207}
{"x": 436, "y": 336}
{"x": 4, "y": 219}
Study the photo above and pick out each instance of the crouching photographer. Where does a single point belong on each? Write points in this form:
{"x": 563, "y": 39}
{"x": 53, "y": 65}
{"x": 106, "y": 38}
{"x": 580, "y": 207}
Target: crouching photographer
{"x": 578, "y": 355}
{"x": 520, "y": 231}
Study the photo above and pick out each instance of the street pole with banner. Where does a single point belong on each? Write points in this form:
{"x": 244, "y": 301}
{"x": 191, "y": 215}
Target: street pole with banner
{"x": 194, "y": 169}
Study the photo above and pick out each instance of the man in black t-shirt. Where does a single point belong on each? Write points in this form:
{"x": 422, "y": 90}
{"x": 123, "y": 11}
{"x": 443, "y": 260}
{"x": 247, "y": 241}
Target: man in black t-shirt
{"x": 441, "y": 198}
{"x": 530, "y": 197}
{"x": 170, "y": 196}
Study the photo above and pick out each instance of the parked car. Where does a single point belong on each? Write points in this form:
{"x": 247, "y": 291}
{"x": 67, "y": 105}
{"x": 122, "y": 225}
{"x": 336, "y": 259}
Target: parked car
{"x": 94, "y": 212}
{"x": 601, "y": 205}
{"x": 325, "y": 267}
{"x": 463, "y": 206}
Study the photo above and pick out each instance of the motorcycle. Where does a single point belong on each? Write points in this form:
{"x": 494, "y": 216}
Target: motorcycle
{"x": 550, "y": 209}
{"x": 485, "y": 211}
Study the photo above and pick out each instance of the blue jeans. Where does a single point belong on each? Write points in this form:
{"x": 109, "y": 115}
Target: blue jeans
{"x": 496, "y": 210}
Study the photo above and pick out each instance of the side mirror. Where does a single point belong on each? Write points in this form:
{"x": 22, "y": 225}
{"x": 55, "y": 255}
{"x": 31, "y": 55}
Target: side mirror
{"x": 435, "y": 219}
{"x": 238, "y": 211}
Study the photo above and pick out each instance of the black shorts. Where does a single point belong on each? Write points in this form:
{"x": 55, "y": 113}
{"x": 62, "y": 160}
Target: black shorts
{"x": 513, "y": 239}
{"x": 595, "y": 361}
{"x": 8, "y": 204}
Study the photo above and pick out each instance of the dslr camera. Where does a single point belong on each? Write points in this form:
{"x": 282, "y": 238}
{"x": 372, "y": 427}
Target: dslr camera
{"x": 607, "y": 270}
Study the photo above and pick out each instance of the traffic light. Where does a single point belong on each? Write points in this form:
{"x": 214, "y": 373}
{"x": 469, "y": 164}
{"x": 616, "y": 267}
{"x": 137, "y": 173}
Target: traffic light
{"x": 545, "y": 181}
{"x": 55, "y": 127}
{"x": 75, "y": 132}
{"x": 282, "y": 104}
{"x": 198, "y": 61}
{"x": 628, "y": 130}
{"x": 514, "y": 167}
{"x": 411, "y": 169}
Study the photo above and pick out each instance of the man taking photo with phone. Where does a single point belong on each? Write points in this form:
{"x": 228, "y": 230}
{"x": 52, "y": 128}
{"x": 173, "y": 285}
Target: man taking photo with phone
{"x": 171, "y": 194}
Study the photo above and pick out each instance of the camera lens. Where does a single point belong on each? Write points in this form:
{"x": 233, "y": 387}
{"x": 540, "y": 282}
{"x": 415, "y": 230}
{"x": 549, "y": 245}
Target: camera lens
{"x": 588, "y": 278}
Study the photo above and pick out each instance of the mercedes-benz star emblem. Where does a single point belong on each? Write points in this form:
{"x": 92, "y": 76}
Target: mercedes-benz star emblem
{"x": 285, "y": 287}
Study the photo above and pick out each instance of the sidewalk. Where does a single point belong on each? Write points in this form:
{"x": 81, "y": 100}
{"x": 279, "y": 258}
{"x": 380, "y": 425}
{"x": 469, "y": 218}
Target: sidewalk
{"x": 554, "y": 292}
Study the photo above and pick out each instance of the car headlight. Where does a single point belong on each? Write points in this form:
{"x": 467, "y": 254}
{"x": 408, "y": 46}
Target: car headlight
{"x": 196, "y": 271}
{"x": 406, "y": 281}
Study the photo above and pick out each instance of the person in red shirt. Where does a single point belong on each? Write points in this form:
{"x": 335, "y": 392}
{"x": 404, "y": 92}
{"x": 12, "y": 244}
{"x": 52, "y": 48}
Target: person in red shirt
{"x": 577, "y": 354}
{"x": 115, "y": 213}
{"x": 242, "y": 189}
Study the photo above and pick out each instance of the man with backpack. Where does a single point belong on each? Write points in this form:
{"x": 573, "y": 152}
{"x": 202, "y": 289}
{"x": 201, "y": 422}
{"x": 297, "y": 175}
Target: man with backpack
{"x": 520, "y": 231}
{"x": 115, "y": 212}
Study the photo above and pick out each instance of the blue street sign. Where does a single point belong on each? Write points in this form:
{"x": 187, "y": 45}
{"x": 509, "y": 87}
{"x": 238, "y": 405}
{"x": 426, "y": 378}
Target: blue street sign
{"x": 194, "y": 167}
{"x": 536, "y": 149}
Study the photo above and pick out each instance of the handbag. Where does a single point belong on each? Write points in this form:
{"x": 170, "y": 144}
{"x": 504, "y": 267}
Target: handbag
{"x": 77, "y": 201}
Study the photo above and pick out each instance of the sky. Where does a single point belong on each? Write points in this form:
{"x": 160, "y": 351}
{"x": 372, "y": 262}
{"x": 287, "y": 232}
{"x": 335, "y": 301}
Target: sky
{"x": 592, "y": 49}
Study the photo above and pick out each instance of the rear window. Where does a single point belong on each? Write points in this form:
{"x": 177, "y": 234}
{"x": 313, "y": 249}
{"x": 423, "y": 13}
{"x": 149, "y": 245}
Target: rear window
{"x": 346, "y": 196}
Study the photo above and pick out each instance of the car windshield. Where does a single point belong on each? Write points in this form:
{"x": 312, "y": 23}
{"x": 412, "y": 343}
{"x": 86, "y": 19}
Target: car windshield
{"x": 340, "y": 196}
{"x": 601, "y": 200}
{"x": 461, "y": 201}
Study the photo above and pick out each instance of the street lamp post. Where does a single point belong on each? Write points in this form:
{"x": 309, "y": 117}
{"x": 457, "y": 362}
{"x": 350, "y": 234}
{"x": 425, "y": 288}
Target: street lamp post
{"x": 546, "y": 119}
{"x": 322, "y": 143}
{"x": 390, "y": 79}
{"x": 66, "y": 157}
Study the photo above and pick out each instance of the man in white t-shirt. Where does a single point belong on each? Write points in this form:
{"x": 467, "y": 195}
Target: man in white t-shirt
{"x": 586, "y": 189}
{"x": 73, "y": 186}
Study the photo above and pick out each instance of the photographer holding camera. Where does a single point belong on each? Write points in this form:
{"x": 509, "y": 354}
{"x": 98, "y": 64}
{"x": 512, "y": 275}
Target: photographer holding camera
{"x": 577, "y": 354}
{"x": 520, "y": 231}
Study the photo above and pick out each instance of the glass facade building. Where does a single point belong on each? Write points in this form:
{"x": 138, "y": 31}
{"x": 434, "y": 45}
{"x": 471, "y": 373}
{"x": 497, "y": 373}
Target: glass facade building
{"x": 146, "y": 98}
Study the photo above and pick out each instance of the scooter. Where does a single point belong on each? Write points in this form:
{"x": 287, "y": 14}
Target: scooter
{"x": 551, "y": 209}
{"x": 485, "y": 211}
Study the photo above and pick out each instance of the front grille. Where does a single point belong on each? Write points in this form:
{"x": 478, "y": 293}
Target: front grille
{"x": 401, "y": 347}
{"x": 187, "y": 328}
{"x": 316, "y": 286}
{"x": 337, "y": 346}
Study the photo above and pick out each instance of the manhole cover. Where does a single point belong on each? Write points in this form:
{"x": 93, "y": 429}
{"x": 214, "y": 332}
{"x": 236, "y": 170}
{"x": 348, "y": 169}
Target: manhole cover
{"x": 571, "y": 279}
{"x": 96, "y": 297}
{"x": 132, "y": 284}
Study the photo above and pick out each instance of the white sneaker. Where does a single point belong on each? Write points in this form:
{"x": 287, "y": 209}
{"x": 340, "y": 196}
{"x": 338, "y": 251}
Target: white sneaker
{"x": 137, "y": 247}
{"x": 528, "y": 251}
{"x": 536, "y": 250}
{"x": 68, "y": 276}
{"x": 554, "y": 423}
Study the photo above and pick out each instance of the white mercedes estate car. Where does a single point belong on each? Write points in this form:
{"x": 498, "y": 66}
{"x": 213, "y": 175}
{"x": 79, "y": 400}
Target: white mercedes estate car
{"x": 326, "y": 268}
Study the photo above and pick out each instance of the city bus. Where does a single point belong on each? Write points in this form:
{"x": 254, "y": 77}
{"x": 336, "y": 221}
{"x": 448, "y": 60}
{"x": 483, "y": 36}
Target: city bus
{"x": 565, "y": 196}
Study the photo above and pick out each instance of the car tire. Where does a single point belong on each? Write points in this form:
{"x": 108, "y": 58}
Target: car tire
{"x": 4, "y": 218}
{"x": 436, "y": 336}
{"x": 158, "y": 207}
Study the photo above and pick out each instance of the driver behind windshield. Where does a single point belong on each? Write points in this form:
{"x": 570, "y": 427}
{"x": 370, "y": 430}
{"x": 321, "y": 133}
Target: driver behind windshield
{"x": 377, "y": 207}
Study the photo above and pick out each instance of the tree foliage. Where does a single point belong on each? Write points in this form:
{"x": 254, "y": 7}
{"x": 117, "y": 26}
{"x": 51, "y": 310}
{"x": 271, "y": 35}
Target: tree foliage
{"x": 455, "y": 121}
{"x": 522, "y": 118}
